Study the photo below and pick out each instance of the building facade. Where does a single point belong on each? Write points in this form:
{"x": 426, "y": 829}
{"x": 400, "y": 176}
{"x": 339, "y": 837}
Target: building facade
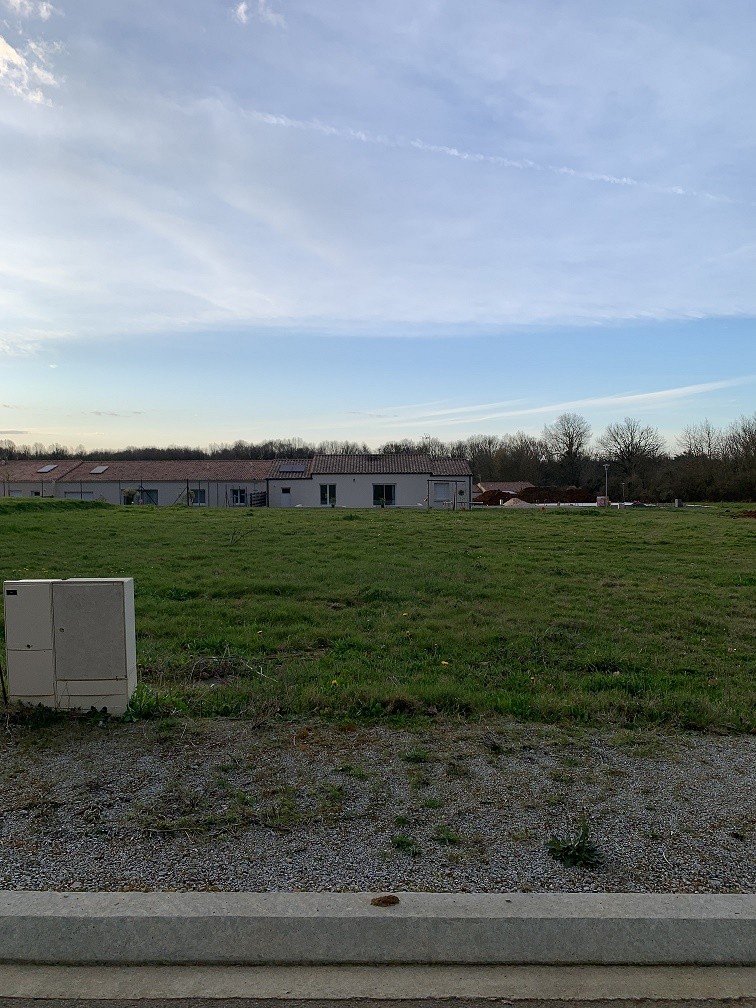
{"x": 349, "y": 481}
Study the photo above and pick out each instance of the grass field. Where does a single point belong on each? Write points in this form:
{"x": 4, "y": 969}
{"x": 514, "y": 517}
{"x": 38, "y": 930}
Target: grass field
{"x": 631, "y": 617}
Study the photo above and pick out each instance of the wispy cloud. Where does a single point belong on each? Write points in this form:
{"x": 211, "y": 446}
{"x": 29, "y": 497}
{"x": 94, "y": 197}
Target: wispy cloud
{"x": 498, "y": 160}
{"x": 267, "y": 14}
{"x": 32, "y": 8}
{"x": 111, "y": 413}
{"x": 264, "y": 12}
{"x": 484, "y": 412}
{"x": 25, "y": 72}
{"x": 241, "y": 12}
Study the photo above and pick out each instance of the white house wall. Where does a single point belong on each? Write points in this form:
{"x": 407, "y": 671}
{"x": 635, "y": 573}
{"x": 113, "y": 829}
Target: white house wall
{"x": 357, "y": 491}
{"x": 352, "y": 491}
{"x": 217, "y": 493}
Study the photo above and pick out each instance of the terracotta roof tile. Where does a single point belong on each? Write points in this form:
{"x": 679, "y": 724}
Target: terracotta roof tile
{"x": 389, "y": 465}
{"x": 228, "y": 470}
{"x": 27, "y": 470}
{"x": 291, "y": 469}
{"x": 165, "y": 470}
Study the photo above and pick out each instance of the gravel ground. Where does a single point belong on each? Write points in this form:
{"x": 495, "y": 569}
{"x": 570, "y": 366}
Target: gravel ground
{"x": 227, "y": 805}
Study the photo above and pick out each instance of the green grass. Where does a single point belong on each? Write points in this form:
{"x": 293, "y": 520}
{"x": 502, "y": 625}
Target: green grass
{"x": 633, "y": 617}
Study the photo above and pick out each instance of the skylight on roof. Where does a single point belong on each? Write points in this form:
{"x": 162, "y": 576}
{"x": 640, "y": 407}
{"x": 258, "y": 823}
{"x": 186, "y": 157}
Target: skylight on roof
{"x": 291, "y": 468}
{"x": 98, "y": 469}
{"x": 47, "y": 468}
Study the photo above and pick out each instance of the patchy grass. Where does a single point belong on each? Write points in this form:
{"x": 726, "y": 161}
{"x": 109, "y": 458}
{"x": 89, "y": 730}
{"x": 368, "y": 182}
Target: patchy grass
{"x": 634, "y": 618}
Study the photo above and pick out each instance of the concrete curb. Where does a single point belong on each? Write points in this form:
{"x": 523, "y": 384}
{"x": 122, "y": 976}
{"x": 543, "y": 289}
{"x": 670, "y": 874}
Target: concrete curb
{"x": 255, "y": 929}
{"x": 354, "y": 984}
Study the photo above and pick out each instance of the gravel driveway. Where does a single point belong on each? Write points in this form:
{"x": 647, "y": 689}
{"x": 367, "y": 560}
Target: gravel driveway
{"x": 455, "y": 806}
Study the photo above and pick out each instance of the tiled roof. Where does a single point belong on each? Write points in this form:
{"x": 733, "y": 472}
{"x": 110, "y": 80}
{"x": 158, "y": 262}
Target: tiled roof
{"x": 385, "y": 465}
{"x": 155, "y": 470}
{"x": 228, "y": 470}
{"x": 289, "y": 469}
{"x": 27, "y": 470}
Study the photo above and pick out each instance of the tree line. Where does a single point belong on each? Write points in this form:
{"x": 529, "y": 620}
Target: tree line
{"x": 704, "y": 463}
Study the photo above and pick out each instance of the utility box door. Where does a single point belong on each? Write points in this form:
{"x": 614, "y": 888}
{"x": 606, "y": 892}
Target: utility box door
{"x": 28, "y": 615}
{"x": 31, "y": 674}
{"x": 90, "y": 635}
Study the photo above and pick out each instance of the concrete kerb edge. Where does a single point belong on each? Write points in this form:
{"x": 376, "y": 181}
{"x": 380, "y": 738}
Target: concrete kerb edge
{"x": 255, "y": 929}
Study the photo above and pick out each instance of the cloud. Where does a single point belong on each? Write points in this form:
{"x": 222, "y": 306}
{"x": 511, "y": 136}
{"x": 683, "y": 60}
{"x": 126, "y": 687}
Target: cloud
{"x": 475, "y": 157}
{"x": 32, "y": 8}
{"x": 263, "y": 13}
{"x": 22, "y": 76}
{"x": 634, "y": 400}
{"x": 241, "y": 12}
{"x": 109, "y": 413}
{"x": 14, "y": 433}
{"x": 470, "y": 174}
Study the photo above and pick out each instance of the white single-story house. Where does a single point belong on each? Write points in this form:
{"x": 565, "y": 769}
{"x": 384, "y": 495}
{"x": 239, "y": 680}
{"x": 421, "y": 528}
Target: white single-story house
{"x": 354, "y": 481}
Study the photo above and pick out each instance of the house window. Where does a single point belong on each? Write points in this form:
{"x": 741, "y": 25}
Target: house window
{"x": 197, "y": 497}
{"x": 36, "y": 493}
{"x": 328, "y": 494}
{"x": 238, "y": 495}
{"x": 145, "y": 496}
{"x": 384, "y": 494}
{"x": 441, "y": 493}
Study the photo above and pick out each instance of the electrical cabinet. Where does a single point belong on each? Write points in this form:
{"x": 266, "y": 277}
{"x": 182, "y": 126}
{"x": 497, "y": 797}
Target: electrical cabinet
{"x": 71, "y": 644}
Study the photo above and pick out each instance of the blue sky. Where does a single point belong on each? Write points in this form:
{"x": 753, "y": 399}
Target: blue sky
{"x": 373, "y": 220}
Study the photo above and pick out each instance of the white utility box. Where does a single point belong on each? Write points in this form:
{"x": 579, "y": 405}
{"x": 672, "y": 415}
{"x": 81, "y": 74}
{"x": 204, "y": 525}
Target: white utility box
{"x": 71, "y": 644}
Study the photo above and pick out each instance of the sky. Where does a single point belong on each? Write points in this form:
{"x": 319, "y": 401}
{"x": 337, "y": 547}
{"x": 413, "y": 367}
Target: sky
{"x": 372, "y": 219}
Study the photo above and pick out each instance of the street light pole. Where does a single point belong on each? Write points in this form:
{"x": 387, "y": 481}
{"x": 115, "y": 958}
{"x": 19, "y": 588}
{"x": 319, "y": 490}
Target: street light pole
{"x": 606, "y": 481}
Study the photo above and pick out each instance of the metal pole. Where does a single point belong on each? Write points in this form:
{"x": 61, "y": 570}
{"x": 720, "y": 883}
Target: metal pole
{"x": 606, "y": 480}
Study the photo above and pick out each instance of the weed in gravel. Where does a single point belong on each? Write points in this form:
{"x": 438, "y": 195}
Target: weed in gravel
{"x": 353, "y": 771}
{"x": 167, "y": 728}
{"x": 332, "y": 801}
{"x": 553, "y": 798}
{"x": 417, "y": 756}
{"x": 406, "y": 844}
{"x": 521, "y": 836}
{"x": 282, "y": 812}
{"x": 561, "y": 776}
{"x": 446, "y": 837}
{"x": 401, "y": 820}
{"x": 457, "y": 767}
{"x": 419, "y": 779}
{"x": 433, "y": 803}
{"x": 578, "y": 850}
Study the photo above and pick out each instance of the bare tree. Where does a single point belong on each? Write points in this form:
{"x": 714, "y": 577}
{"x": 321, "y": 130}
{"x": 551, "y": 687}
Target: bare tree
{"x": 521, "y": 456}
{"x": 567, "y": 441}
{"x": 740, "y": 440}
{"x": 632, "y": 447}
{"x": 702, "y": 440}
{"x": 341, "y": 448}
